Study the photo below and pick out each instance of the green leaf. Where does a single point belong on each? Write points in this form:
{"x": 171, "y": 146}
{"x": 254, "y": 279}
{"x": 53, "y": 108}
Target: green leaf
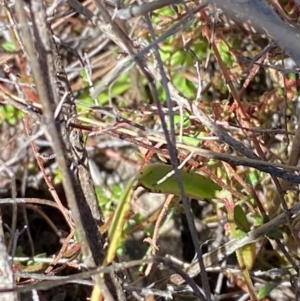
{"x": 9, "y": 114}
{"x": 33, "y": 261}
{"x": 240, "y": 219}
{"x": 121, "y": 85}
{"x": 200, "y": 49}
{"x": 19, "y": 251}
{"x": 119, "y": 219}
{"x": 280, "y": 92}
{"x": 165, "y": 11}
{"x": 265, "y": 290}
{"x": 165, "y": 51}
{"x": 248, "y": 253}
{"x": 275, "y": 234}
{"x": 196, "y": 186}
{"x": 57, "y": 176}
{"x": 178, "y": 120}
{"x": 253, "y": 177}
{"x": 225, "y": 54}
{"x": 258, "y": 220}
{"x": 8, "y": 46}
{"x": 236, "y": 43}
{"x": 292, "y": 76}
{"x": 83, "y": 74}
{"x": 184, "y": 86}
{"x": 181, "y": 58}
{"x": 190, "y": 140}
